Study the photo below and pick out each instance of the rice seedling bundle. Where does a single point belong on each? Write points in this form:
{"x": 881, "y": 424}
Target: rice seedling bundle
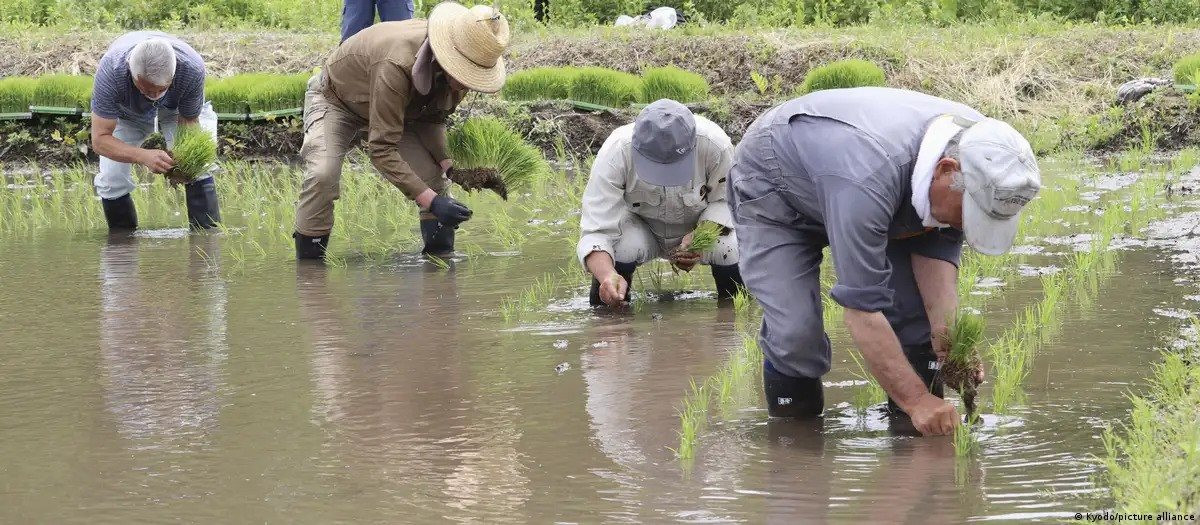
{"x": 1185, "y": 68}
{"x": 16, "y": 94}
{"x": 842, "y": 74}
{"x": 673, "y": 83}
{"x": 540, "y": 83}
{"x": 605, "y": 87}
{"x": 489, "y": 155}
{"x": 704, "y": 238}
{"x": 194, "y": 151}
{"x": 958, "y": 371}
{"x": 68, "y": 91}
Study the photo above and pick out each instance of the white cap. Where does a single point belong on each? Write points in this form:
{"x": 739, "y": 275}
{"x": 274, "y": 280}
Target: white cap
{"x": 1001, "y": 176}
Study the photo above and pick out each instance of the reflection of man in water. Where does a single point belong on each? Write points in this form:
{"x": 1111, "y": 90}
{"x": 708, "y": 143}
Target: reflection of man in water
{"x": 891, "y": 180}
{"x": 163, "y": 368}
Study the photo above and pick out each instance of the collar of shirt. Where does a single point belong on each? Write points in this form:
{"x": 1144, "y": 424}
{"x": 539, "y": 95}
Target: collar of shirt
{"x": 422, "y": 71}
{"x": 940, "y": 131}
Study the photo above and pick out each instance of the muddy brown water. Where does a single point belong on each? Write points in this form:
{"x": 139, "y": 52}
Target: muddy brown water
{"x": 142, "y": 383}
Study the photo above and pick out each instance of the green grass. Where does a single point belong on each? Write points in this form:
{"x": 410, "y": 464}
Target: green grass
{"x": 68, "y": 91}
{"x": 1185, "y": 68}
{"x": 1153, "y": 462}
{"x": 16, "y": 94}
{"x": 705, "y": 237}
{"x": 540, "y": 83}
{"x": 606, "y": 87}
{"x": 194, "y": 151}
{"x": 673, "y": 83}
{"x": 487, "y": 142}
{"x": 842, "y": 74}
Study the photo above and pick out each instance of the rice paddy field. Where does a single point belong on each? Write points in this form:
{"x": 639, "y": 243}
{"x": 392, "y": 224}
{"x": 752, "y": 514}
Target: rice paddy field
{"x": 205, "y": 376}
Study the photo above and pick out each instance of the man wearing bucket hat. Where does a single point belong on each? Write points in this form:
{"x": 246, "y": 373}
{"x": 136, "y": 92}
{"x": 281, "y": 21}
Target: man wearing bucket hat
{"x": 892, "y": 181}
{"x": 652, "y": 183}
{"x": 398, "y": 81}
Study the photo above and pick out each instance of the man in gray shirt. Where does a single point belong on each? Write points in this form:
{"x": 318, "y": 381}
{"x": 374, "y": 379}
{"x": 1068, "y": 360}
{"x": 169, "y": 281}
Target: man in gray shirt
{"x": 892, "y": 181}
{"x": 148, "y": 81}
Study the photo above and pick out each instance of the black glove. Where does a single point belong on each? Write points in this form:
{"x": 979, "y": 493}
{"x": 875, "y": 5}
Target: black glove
{"x": 448, "y": 211}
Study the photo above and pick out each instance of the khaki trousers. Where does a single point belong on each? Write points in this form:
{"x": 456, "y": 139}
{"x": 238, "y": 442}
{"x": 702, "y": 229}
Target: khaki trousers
{"x": 329, "y": 133}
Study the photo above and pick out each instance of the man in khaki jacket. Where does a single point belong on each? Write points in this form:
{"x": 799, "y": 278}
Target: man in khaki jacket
{"x": 398, "y": 81}
{"x": 652, "y": 182}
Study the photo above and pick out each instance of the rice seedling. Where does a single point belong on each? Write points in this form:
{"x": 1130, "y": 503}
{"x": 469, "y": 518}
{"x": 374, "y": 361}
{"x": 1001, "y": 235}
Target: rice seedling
{"x": 1185, "y": 68}
{"x": 67, "y": 91}
{"x": 673, "y": 83}
{"x": 606, "y": 87}
{"x": 869, "y": 394}
{"x": 965, "y": 441}
{"x": 693, "y": 417}
{"x": 959, "y": 370}
{"x": 194, "y": 152}
{"x": 227, "y": 95}
{"x": 732, "y": 382}
{"x": 842, "y": 74}
{"x": 705, "y": 237}
{"x": 489, "y": 155}
{"x": 742, "y": 302}
{"x": 540, "y": 83}
{"x": 1185, "y": 159}
{"x": 16, "y": 94}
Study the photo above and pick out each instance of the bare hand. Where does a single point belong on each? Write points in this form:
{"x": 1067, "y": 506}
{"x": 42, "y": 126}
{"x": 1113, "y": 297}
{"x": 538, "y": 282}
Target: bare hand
{"x": 612, "y": 289}
{"x": 446, "y": 164}
{"x": 157, "y": 160}
{"x": 933, "y": 416}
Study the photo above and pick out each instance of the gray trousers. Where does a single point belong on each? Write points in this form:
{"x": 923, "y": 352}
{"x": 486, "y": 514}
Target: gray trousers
{"x": 780, "y": 252}
{"x": 115, "y": 179}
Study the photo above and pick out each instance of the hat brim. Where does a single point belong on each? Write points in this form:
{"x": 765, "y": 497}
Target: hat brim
{"x": 678, "y": 173}
{"x": 985, "y": 234}
{"x": 453, "y": 62}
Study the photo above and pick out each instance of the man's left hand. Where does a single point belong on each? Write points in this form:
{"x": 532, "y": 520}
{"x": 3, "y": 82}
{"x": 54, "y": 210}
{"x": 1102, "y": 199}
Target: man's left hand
{"x": 682, "y": 258}
{"x": 446, "y": 164}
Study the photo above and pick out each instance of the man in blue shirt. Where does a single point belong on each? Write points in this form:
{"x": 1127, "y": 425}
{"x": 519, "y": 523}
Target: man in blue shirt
{"x": 148, "y": 81}
{"x": 360, "y": 14}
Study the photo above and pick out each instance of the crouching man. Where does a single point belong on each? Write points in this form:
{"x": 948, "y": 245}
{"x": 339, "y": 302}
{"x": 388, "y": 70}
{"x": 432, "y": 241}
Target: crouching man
{"x": 652, "y": 183}
{"x": 891, "y": 181}
{"x": 398, "y": 81}
{"x": 145, "y": 81}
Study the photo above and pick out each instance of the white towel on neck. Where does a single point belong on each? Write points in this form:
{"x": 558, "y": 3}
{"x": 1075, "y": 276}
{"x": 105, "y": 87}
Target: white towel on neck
{"x": 933, "y": 145}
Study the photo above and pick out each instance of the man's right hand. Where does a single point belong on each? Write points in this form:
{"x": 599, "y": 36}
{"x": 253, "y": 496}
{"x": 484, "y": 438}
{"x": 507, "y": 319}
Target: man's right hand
{"x": 934, "y": 416}
{"x": 448, "y": 211}
{"x": 613, "y": 288}
{"x": 156, "y": 160}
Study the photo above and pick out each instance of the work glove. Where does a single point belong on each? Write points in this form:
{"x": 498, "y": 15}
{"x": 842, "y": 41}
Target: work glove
{"x": 449, "y": 212}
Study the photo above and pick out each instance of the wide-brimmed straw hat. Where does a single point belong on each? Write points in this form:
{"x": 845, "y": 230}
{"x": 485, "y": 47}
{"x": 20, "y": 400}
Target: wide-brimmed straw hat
{"x": 469, "y": 44}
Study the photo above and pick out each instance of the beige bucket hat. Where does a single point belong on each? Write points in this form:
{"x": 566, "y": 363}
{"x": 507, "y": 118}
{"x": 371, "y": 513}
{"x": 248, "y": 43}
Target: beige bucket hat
{"x": 469, "y": 44}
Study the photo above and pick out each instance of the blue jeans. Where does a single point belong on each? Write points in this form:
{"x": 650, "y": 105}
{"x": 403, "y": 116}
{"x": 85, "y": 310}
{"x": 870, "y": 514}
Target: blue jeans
{"x": 360, "y": 14}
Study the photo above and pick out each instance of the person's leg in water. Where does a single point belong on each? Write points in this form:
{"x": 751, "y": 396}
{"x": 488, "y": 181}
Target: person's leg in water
{"x": 635, "y": 246}
{"x": 114, "y": 182}
{"x": 203, "y": 208}
{"x": 438, "y": 240}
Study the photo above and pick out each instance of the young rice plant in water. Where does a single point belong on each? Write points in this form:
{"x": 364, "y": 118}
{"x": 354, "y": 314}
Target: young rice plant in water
{"x": 958, "y": 372}
{"x": 842, "y": 74}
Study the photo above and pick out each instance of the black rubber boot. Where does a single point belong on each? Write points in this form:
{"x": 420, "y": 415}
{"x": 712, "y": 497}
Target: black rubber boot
{"x": 439, "y": 240}
{"x": 310, "y": 248}
{"x": 119, "y": 213}
{"x": 728, "y": 280}
{"x": 925, "y": 364}
{"x": 787, "y": 396}
{"x": 202, "y": 208}
{"x": 625, "y": 270}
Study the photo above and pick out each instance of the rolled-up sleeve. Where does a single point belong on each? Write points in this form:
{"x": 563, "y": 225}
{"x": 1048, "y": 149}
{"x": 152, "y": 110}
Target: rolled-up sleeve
{"x": 856, "y": 222}
{"x": 944, "y": 244}
{"x": 718, "y": 176}
{"x": 389, "y": 97}
{"x": 603, "y": 203}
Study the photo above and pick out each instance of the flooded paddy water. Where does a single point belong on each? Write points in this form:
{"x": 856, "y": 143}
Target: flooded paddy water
{"x": 154, "y": 377}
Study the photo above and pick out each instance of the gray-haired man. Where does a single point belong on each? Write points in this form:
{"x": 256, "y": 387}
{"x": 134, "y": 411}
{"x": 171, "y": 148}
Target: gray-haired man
{"x": 652, "y": 182}
{"x": 145, "y": 80}
{"x": 891, "y": 181}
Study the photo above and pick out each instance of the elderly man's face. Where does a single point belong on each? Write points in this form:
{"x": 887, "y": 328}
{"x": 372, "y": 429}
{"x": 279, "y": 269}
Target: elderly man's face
{"x": 151, "y": 90}
{"x": 945, "y": 202}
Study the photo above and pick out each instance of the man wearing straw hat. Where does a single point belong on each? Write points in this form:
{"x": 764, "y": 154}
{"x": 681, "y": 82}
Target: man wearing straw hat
{"x": 892, "y": 181}
{"x": 397, "y": 81}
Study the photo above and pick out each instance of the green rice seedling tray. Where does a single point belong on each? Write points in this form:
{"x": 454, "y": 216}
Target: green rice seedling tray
{"x": 267, "y": 115}
{"x": 579, "y": 104}
{"x": 16, "y": 116}
{"x": 238, "y": 117}
{"x": 55, "y": 110}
